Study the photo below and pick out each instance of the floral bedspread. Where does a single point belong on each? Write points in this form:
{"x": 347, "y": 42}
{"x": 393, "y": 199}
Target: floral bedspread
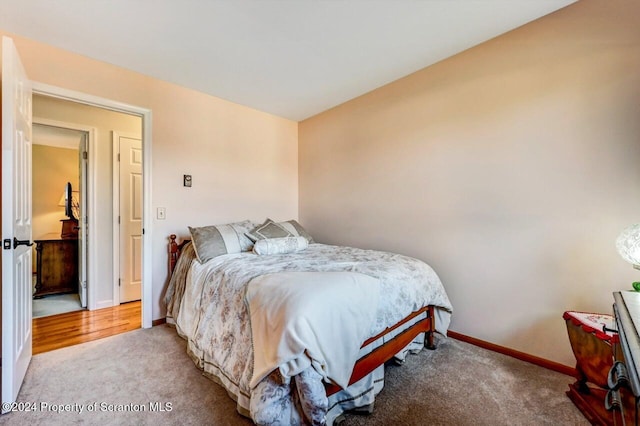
{"x": 209, "y": 310}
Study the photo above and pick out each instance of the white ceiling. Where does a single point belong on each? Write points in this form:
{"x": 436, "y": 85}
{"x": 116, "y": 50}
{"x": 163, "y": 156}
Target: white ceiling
{"x": 292, "y": 58}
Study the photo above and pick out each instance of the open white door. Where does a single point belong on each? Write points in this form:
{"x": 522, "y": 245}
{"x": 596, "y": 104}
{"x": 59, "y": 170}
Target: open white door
{"x": 130, "y": 154}
{"x": 16, "y": 222}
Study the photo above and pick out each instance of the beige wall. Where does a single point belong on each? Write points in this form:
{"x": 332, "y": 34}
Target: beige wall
{"x": 244, "y": 162}
{"x": 52, "y": 168}
{"x": 511, "y": 168}
{"x": 104, "y": 122}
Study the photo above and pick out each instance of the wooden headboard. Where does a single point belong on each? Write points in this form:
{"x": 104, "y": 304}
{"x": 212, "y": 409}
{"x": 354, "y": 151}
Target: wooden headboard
{"x": 174, "y": 251}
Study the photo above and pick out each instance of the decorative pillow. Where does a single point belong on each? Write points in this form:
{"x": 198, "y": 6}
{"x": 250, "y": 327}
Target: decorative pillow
{"x": 296, "y": 229}
{"x": 241, "y": 229}
{"x": 269, "y": 229}
{"x": 212, "y": 241}
{"x": 283, "y": 245}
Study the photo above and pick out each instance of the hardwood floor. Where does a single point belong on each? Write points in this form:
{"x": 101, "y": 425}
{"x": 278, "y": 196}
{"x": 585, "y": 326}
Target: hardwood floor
{"x": 72, "y": 328}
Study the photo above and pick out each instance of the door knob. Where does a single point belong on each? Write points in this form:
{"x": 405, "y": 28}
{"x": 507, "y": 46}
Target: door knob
{"x": 17, "y": 242}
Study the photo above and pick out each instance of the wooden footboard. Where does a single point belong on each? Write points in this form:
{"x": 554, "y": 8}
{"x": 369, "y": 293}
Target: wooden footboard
{"x": 378, "y": 356}
{"x": 388, "y": 350}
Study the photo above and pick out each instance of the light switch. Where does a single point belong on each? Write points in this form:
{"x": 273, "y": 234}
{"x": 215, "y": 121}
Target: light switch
{"x": 186, "y": 180}
{"x": 161, "y": 213}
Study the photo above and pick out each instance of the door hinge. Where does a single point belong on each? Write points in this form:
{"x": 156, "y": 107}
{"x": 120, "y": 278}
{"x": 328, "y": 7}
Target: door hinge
{"x": 85, "y": 155}
{"x": 119, "y": 282}
{"x": 118, "y": 156}
{"x": 118, "y": 220}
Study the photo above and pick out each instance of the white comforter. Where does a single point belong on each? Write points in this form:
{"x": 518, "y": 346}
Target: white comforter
{"x": 298, "y": 321}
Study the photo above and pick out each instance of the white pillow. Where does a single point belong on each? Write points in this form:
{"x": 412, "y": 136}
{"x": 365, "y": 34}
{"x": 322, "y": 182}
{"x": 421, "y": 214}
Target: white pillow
{"x": 280, "y": 245}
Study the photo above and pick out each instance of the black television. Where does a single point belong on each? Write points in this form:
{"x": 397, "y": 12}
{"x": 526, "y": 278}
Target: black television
{"x": 68, "y": 201}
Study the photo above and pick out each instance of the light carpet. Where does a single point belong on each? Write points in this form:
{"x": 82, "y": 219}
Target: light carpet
{"x": 149, "y": 372}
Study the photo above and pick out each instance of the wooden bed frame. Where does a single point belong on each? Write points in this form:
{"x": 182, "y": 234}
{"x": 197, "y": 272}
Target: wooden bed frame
{"x": 378, "y": 356}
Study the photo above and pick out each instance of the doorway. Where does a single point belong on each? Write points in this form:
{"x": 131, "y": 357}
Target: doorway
{"x": 59, "y": 251}
{"x": 97, "y": 268}
{"x": 92, "y": 203}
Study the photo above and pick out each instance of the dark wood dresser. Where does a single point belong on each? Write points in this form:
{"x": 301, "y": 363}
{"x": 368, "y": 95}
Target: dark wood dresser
{"x": 624, "y": 380}
{"x": 56, "y": 265}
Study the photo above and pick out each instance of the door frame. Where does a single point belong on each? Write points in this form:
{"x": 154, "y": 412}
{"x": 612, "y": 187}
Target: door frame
{"x": 147, "y": 223}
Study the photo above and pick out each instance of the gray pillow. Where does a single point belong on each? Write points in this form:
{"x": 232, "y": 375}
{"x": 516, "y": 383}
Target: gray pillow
{"x": 269, "y": 229}
{"x": 296, "y": 229}
{"x": 216, "y": 240}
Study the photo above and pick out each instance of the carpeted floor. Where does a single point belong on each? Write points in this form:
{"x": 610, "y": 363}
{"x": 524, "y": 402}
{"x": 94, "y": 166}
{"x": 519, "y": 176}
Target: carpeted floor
{"x": 457, "y": 384}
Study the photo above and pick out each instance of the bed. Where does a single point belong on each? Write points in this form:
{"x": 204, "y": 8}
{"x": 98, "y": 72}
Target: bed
{"x": 296, "y": 331}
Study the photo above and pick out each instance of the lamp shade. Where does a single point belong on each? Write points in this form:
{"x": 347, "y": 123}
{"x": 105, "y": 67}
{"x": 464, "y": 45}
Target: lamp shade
{"x": 63, "y": 200}
{"x": 628, "y": 244}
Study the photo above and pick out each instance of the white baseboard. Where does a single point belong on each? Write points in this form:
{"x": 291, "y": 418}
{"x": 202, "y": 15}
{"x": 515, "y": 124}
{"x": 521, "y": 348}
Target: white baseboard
{"x": 104, "y": 304}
